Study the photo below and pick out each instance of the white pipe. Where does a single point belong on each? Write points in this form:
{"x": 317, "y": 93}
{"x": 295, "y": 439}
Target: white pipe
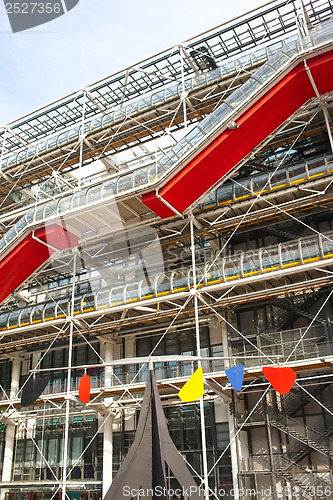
{"x": 69, "y": 373}
{"x": 197, "y": 332}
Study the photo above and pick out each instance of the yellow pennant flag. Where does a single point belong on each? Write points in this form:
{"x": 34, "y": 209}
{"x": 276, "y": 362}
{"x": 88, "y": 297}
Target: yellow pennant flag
{"x": 194, "y": 387}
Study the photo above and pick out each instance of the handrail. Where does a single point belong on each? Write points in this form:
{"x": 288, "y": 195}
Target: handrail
{"x": 226, "y": 194}
{"x": 287, "y": 255}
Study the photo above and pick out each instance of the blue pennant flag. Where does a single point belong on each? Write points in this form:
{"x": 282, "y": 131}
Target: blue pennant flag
{"x": 235, "y": 376}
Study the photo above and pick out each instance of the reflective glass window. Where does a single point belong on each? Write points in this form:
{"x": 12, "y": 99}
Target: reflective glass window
{"x": 140, "y": 177}
{"x": 3, "y": 321}
{"x": 94, "y": 194}
{"x": 327, "y": 245}
{"x": 62, "y": 308}
{"x": 51, "y": 143}
{"x": 62, "y": 139}
{"x": 225, "y": 193}
{"x": 13, "y": 319}
{"x": 213, "y": 273}
{"x": 124, "y": 183}
{"x": 49, "y": 311}
{"x": 290, "y": 254}
{"x": 157, "y": 98}
{"x": 50, "y": 209}
{"x": 108, "y": 188}
{"x": 147, "y": 291}
{"x": 163, "y": 285}
{"x": 25, "y": 316}
{"x": 37, "y": 312}
{"x": 179, "y": 281}
{"x": 144, "y": 104}
{"x": 270, "y": 259}
{"x": 21, "y": 224}
{"x": 232, "y": 268}
{"x": 297, "y": 173}
{"x": 250, "y": 263}
{"x": 21, "y": 156}
{"x": 106, "y": 120}
{"x": 64, "y": 204}
{"x": 102, "y": 299}
{"x": 88, "y": 303}
{"x": 132, "y": 293}
{"x": 95, "y": 124}
{"x": 279, "y": 180}
{"x": 316, "y": 168}
{"x": 117, "y": 296}
{"x": 260, "y": 184}
{"x": 310, "y": 250}
{"x": 78, "y": 199}
{"x": 242, "y": 189}
{"x": 73, "y": 134}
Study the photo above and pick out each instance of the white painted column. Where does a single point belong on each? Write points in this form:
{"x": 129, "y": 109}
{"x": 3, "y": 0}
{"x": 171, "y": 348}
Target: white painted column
{"x": 231, "y": 421}
{"x": 10, "y": 428}
{"x": 107, "y": 428}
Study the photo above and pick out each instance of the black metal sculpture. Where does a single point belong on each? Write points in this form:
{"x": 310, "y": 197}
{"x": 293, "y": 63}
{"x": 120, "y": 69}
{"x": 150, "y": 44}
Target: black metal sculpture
{"x": 144, "y": 465}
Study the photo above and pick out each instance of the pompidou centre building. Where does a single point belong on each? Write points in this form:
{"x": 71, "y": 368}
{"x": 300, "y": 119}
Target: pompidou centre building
{"x": 175, "y": 215}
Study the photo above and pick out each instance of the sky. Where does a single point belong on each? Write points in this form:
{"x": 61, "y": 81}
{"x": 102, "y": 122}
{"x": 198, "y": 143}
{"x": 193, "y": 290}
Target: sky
{"x": 93, "y": 40}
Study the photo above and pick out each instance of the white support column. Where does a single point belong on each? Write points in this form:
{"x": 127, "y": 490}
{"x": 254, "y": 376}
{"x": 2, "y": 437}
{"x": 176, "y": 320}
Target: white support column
{"x": 107, "y": 428}
{"x": 10, "y": 428}
{"x": 231, "y": 422}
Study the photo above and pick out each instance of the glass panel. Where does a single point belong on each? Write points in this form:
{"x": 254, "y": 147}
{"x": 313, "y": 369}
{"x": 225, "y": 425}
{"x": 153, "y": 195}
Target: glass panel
{"x": 297, "y": 174}
{"x": 25, "y": 316}
{"x": 214, "y": 273}
{"x": 270, "y": 260}
{"x": 108, "y": 189}
{"x": 102, "y": 300}
{"x": 64, "y": 204}
{"x": 258, "y": 183}
{"x": 13, "y": 319}
{"x": 88, "y": 303}
{"x": 106, "y": 120}
{"x": 163, "y": 286}
{"x": 251, "y": 264}
{"x": 49, "y": 311}
{"x": 62, "y": 139}
{"x": 225, "y": 194}
{"x": 279, "y": 180}
{"x": 147, "y": 292}
{"x": 117, "y": 296}
{"x": 316, "y": 168}
{"x": 95, "y": 124}
{"x": 232, "y": 268}
{"x": 78, "y": 199}
{"x": 73, "y": 134}
{"x": 140, "y": 177}
{"x": 94, "y": 194}
{"x": 21, "y": 224}
{"x": 37, "y": 312}
{"x": 310, "y": 250}
{"x": 242, "y": 189}
{"x": 179, "y": 281}
{"x": 132, "y": 293}
{"x": 62, "y": 308}
{"x": 3, "y": 321}
{"x": 327, "y": 245}
{"x": 124, "y": 183}
{"x": 51, "y": 144}
{"x": 10, "y": 235}
{"x": 50, "y": 209}
{"x": 210, "y": 201}
{"x": 290, "y": 254}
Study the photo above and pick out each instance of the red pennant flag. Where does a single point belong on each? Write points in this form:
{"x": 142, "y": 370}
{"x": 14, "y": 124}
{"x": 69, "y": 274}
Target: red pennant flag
{"x": 84, "y": 389}
{"x": 281, "y": 378}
